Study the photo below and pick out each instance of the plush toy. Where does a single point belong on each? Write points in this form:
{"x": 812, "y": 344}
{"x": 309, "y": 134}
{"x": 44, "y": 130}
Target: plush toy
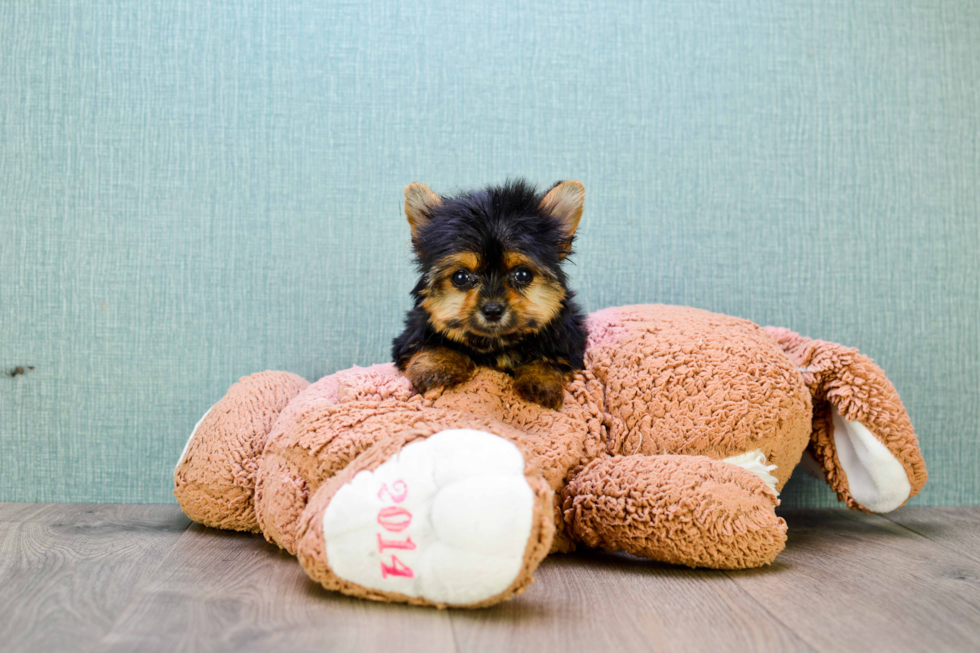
{"x": 672, "y": 444}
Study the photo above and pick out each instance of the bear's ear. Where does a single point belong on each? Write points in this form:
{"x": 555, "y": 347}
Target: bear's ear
{"x": 565, "y": 203}
{"x": 419, "y": 203}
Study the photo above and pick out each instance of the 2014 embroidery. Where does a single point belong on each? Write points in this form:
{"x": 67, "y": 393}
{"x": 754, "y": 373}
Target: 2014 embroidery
{"x": 394, "y": 519}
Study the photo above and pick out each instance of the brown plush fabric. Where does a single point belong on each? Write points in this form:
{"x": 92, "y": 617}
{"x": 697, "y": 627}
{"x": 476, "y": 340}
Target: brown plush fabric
{"x": 312, "y": 547}
{"x": 215, "y": 481}
{"x": 860, "y": 391}
{"x": 684, "y": 381}
{"x": 314, "y": 444}
{"x": 633, "y": 460}
{"x": 687, "y": 510}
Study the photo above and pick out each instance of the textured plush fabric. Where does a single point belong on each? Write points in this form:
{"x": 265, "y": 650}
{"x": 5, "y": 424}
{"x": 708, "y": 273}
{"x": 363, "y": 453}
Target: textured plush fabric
{"x": 688, "y": 510}
{"x": 682, "y": 381}
{"x": 638, "y": 458}
{"x": 312, "y": 552}
{"x": 216, "y": 474}
{"x": 322, "y": 438}
{"x": 193, "y": 191}
{"x": 859, "y": 390}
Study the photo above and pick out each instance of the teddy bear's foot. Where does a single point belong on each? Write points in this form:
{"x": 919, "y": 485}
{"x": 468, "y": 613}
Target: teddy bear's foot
{"x": 687, "y": 510}
{"x": 862, "y": 438}
{"x": 451, "y": 520}
{"x": 876, "y": 479}
{"x": 214, "y": 481}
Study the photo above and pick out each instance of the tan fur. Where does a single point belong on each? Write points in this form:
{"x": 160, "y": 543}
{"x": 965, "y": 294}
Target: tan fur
{"x": 419, "y": 202}
{"x": 451, "y": 309}
{"x": 516, "y": 259}
{"x": 507, "y": 361}
{"x": 540, "y": 383}
{"x": 605, "y": 507}
{"x": 237, "y": 434}
{"x": 463, "y": 260}
{"x": 438, "y": 367}
{"x": 566, "y": 202}
{"x": 445, "y": 303}
{"x": 538, "y": 303}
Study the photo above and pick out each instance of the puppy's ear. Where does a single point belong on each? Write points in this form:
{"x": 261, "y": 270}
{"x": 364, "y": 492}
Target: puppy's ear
{"x": 419, "y": 202}
{"x": 565, "y": 203}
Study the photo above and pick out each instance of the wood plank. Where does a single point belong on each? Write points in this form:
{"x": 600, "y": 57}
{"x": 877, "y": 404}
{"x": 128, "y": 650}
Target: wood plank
{"x": 68, "y": 570}
{"x": 218, "y": 590}
{"x": 956, "y": 528}
{"x": 850, "y": 581}
{"x": 110, "y": 577}
{"x": 19, "y": 512}
{"x": 595, "y": 601}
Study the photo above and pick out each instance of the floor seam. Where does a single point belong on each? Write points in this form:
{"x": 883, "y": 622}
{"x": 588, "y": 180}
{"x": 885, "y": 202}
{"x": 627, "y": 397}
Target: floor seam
{"x": 773, "y": 616}
{"x": 926, "y": 537}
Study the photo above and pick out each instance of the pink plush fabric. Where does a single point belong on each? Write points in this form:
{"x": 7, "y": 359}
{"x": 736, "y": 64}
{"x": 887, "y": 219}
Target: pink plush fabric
{"x": 634, "y": 460}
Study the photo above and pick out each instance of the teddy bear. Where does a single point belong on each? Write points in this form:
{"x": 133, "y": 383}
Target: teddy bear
{"x": 672, "y": 444}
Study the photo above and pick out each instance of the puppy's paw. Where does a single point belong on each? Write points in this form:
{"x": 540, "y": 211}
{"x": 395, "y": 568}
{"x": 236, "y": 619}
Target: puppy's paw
{"x": 540, "y": 383}
{"x": 439, "y": 367}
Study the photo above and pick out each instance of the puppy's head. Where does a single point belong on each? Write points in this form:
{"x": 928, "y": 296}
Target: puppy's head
{"x": 491, "y": 259}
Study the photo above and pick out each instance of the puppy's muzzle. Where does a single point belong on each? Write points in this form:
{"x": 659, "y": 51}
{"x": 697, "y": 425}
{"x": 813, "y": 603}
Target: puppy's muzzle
{"x": 492, "y": 311}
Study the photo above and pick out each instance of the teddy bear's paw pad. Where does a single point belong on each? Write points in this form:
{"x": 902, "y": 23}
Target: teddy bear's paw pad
{"x": 447, "y": 519}
{"x": 875, "y": 477}
{"x": 755, "y": 462}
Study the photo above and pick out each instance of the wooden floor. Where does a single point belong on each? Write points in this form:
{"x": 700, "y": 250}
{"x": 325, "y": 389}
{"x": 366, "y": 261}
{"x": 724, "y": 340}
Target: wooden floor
{"x": 142, "y": 578}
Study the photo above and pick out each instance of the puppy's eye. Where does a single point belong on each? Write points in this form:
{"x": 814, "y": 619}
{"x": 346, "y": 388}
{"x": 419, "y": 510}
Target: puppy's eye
{"x": 461, "y": 279}
{"x": 522, "y": 276}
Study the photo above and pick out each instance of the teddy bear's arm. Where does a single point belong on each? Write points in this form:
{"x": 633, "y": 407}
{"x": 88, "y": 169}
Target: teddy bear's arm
{"x": 688, "y": 510}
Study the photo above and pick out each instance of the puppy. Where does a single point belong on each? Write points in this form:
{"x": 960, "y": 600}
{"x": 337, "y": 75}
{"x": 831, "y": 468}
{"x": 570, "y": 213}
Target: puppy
{"x": 492, "y": 290}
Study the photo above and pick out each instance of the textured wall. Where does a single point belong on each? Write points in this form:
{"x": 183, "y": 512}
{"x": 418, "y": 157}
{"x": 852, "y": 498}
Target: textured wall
{"x": 189, "y": 194}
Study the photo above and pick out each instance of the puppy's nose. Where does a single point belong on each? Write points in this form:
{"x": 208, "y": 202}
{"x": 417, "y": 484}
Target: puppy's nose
{"x": 492, "y": 311}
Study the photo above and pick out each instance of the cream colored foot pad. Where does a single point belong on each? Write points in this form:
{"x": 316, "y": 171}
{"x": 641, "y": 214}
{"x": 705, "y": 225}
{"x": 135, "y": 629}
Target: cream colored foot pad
{"x": 755, "y": 462}
{"x": 875, "y": 477}
{"x": 447, "y": 519}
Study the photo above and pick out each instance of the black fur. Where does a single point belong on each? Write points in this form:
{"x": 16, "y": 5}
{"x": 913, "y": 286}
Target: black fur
{"x": 492, "y": 221}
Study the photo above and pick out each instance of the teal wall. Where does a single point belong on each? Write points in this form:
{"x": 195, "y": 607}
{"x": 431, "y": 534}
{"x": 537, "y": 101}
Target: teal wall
{"x": 192, "y": 193}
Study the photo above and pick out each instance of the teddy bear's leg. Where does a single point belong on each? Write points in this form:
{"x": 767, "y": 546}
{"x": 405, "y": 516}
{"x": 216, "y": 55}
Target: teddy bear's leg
{"x": 214, "y": 480}
{"x": 688, "y": 510}
{"x": 862, "y": 437}
{"x": 449, "y": 520}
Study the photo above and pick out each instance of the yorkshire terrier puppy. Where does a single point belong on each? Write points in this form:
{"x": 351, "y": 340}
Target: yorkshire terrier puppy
{"x": 492, "y": 290}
